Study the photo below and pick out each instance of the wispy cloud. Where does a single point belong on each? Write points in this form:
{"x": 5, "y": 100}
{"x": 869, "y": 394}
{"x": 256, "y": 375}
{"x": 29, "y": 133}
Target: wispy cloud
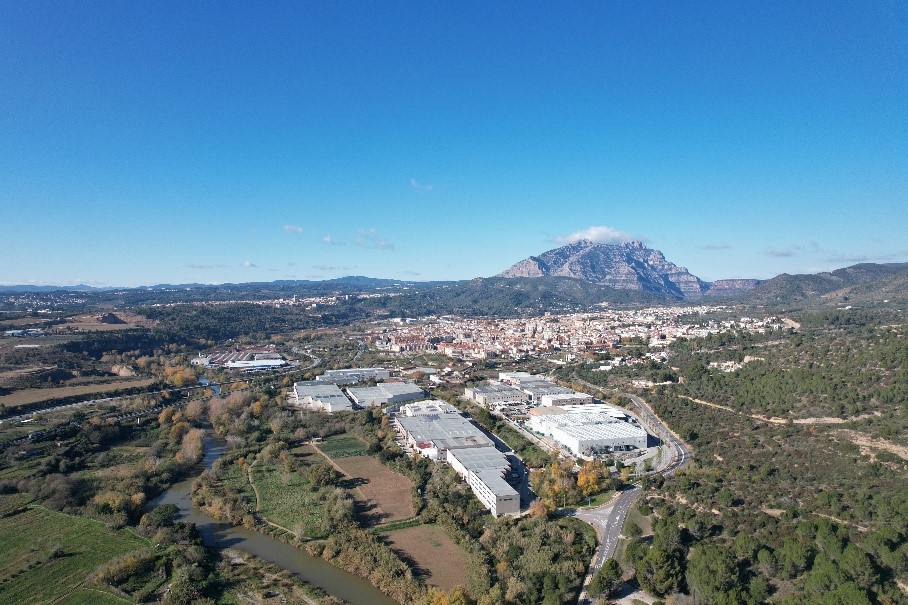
{"x": 715, "y": 246}
{"x": 330, "y": 268}
{"x": 600, "y": 234}
{"x": 292, "y": 229}
{"x": 782, "y": 252}
{"x": 203, "y": 267}
{"x": 420, "y": 186}
{"x": 369, "y": 238}
{"x": 411, "y": 273}
{"x": 867, "y": 258}
{"x": 249, "y": 264}
{"x": 330, "y": 241}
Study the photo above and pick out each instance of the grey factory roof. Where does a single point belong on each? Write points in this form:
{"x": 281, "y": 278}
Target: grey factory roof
{"x": 321, "y": 391}
{"x": 497, "y": 485}
{"x": 384, "y": 391}
{"x": 476, "y": 459}
{"x": 446, "y": 432}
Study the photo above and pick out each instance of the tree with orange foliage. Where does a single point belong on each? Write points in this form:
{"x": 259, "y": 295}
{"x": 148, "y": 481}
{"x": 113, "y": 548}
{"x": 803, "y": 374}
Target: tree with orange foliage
{"x": 592, "y": 476}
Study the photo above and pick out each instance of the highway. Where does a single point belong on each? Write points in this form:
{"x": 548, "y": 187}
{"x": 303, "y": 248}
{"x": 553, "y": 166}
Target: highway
{"x": 608, "y": 519}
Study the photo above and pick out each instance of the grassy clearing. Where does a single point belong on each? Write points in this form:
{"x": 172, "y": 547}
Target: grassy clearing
{"x": 436, "y": 558}
{"x": 26, "y": 396}
{"x": 288, "y": 500}
{"x": 597, "y": 500}
{"x": 387, "y": 496}
{"x": 51, "y": 558}
{"x": 343, "y": 447}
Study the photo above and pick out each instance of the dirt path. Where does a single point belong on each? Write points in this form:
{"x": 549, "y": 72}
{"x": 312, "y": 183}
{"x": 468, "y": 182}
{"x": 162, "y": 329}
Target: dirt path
{"x": 778, "y": 420}
{"x": 258, "y": 500}
{"x": 335, "y": 466}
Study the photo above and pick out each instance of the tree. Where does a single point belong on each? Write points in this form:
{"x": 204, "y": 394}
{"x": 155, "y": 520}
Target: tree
{"x": 607, "y": 580}
{"x": 659, "y": 572}
{"x": 712, "y": 576}
{"x": 591, "y": 478}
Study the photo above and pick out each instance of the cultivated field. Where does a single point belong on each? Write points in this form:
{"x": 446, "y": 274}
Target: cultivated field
{"x": 386, "y": 495}
{"x": 26, "y": 396}
{"x": 438, "y": 560}
{"x": 51, "y": 557}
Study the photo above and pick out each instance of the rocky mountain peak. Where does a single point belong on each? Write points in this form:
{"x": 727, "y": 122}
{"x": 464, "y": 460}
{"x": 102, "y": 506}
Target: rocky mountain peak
{"x": 629, "y": 265}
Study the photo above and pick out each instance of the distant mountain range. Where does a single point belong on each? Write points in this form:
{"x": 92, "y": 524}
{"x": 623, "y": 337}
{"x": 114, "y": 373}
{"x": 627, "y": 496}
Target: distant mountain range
{"x": 570, "y": 278}
{"x": 627, "y": 266}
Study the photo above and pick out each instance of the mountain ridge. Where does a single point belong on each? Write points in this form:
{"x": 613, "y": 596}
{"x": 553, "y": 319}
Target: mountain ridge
{"x": 626, "y": 266}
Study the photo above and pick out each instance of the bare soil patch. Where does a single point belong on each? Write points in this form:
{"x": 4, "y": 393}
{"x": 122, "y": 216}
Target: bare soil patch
{"x": 26, "y": 396}
{"x": 92, "y": 323}
{"x": 385, "y": 495}
{"x": 868, "y": 443}
{"x": 437, "y": 559}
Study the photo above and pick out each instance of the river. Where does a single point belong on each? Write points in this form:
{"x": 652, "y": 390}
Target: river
{"x": 313, "y": 570}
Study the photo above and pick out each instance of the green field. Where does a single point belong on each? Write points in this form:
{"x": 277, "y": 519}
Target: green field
{"x": 45, "y": 555}
{"x": 87, "y": 596}
{"x": 343, "y": 447}
{"x": 287, "y": 499}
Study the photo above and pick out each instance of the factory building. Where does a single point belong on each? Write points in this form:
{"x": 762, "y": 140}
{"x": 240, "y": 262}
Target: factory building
{"x": 385, "y": 394}
{"x": 451, "y": 438}
{"x": 428, "y": 408}
{"x": 322, "y": 395}
{"x": 353, "y": 375}
{"x": 588, "y": 429}
{"x": 536, "y": 389}
{"x": 559, "y": 399}
{"x": 484, "y": 469}
{"x": 248, "y": 361}
{"x": 494, "y": 393}
{"x": 432, "y": 436}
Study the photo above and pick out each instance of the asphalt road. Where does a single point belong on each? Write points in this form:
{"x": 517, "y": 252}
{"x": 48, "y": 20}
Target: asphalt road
{"x": 608, "y": 519}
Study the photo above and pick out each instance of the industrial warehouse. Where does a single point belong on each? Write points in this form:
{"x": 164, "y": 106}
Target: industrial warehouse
{"x": 354, "y": 375}
{"x": 385, "y": 394}
{"x": 251, "y": 360}
{"x": 588, "y": 430}
{"x": 324, "y": 396}
{"x": 449, "y": 437}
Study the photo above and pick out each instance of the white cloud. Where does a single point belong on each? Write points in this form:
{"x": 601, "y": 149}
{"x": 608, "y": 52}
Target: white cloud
{"x": 330, "y": 241}
{"x": 249, "y": 264}
{"x": 330, "y": 268}
{"x": 599, "y": 234}
{"x": 715, "y": 247}
{"x": 292, "y": 229}
{"x": 420, "y": 186}
{"x": 369, "y": 238}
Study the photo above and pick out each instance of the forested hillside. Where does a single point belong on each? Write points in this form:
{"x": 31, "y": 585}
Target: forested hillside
{"x": 799, "y": 488}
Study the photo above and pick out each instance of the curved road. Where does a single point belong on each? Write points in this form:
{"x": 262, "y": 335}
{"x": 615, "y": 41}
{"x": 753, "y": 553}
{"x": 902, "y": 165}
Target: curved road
{"x": 608, "y": 519}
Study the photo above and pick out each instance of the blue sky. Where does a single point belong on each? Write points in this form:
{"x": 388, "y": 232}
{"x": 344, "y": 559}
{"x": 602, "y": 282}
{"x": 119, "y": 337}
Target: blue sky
{"x": 147, "y": 143}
